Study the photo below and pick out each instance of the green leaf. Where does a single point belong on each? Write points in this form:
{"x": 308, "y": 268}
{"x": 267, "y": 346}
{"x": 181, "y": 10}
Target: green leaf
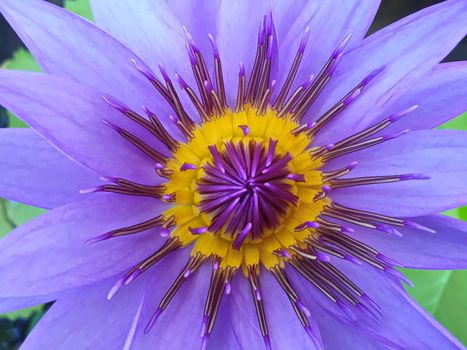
{"x": 444, "y": 295}
{"x": 21, "y": 213}
{"x": 15, "y": 122}
{"x": 80, "y": 7}
{"x": 22, "y": 60}
{"x": 428, "y": 287}
{"x": 458, "y": 123}
{"x": 453, "y": 305}
{"x": 26, "y": 313}
{"x": 6, "y": 224}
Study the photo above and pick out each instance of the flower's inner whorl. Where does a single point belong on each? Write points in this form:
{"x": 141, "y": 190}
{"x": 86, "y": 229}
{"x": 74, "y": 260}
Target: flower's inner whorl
{"x": 247, "y": 188}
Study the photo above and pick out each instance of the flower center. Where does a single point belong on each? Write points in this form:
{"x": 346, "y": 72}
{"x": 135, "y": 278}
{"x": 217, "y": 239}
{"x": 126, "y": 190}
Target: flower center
{"x": 241, "y": 186}
{"x": 246, "y": 187}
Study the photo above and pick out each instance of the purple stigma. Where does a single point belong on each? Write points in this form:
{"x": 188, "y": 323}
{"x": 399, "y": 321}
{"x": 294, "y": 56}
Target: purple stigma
{"x": 296, "y": 177}
{"x": 285, "y": 253}
{"x": 407, "y": 177}
{"x": 187, "y": 166}
{"x": 188, "y": 36}
{"x": 403, "y": 113}
{"x": 143, "y": 70}
{"x": 338, "y": 51}
{"x": 198, "y": 230}
{"x": 241, "y": 69}
{"x": 245, "y": 129}
{"x": 191, "y": 54}
{"x": 90, "y": 190}
{"x": 115, "y": 104}
{"x": 99, "y": 238}
{"x": 267, "y": 342}
{"x": 334, "y": 65}
{"x": 215, "y": 50}
{"x": 352, "y": 97}
{"x": 208, "y": 86}
{"x": 411, "y": 224}
{"x": 352, "y": 166}
{"x": 174, "y": 119}
{"x": 322, "y": 256}
{"x": 303, "y": 308}
{"x": 153, "y": 320}
{"x": 346, "y": 229}
{"x": 228, "y": 288}
{"x": 246, "y": 189}
{"x": 163, "y": 71}
{"x": 304, "y": 40}
{"x": 388, "y": 229}
{"x": 308, "y": 82}
{"x": 372, "y": 75}
{"x": 217, "y": 158}
{"x": 165, "y": 232}
{"x": 183, "y": 85}
{"x": 241, "y": 237}
{"x": 312, "y": 224}
{"x": 168, "y": 197}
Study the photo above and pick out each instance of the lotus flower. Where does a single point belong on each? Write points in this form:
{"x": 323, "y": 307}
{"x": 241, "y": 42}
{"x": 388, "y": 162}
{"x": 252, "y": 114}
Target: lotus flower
{"x": 233, "y": 174}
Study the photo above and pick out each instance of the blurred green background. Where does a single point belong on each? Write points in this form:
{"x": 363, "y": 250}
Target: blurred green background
{"x": 441, "y": 293}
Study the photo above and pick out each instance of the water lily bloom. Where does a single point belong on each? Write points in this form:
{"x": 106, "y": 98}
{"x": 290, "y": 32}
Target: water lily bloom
{"x": 233, "y": 174}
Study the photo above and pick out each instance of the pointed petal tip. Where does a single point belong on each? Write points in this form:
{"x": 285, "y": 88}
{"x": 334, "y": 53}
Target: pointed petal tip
{"x": 414, "y": 225}
{"x": 152, "y": 321}
{"x": 119, "y": 284}
{"x": 90, "y": 190}
{"x": 267, "y": 342}
{"x": 99, "y": 238}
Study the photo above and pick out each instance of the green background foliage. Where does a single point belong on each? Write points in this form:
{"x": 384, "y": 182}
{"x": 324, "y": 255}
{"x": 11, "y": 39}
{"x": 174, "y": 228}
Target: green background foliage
{"x": 442, "y": 293}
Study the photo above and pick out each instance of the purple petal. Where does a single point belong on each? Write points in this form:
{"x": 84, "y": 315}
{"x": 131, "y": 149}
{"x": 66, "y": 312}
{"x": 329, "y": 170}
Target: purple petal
{"x": 439, "y": 154}
{"x": 445, "y": 249}
{"x": 242, "y": 316}
{"x": 51, "y": 251}
{"x": 84, "y": 318}
{"x": 237, "y": 37}
{"x": 329, "y": 25}
{"x": 223, "y": 335}
{"x": 404, "y": 325}
{"x": 285, "y": 329}
{"x": 347, "y": 335}
{"x": 408, "y": 49}
{"x": 88, "y": 55}
{"x": 200, "y": 18}
{"x": 179, "y": 326}
{"x": 148, "y": 28}
{"x": 440, "y": 95}
{"x": 70, "y": 116}
{"x": 35, "y": 173}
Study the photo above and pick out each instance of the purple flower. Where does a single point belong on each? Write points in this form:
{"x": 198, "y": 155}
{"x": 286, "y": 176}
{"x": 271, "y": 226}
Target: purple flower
{"x": 257, "y": 192}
